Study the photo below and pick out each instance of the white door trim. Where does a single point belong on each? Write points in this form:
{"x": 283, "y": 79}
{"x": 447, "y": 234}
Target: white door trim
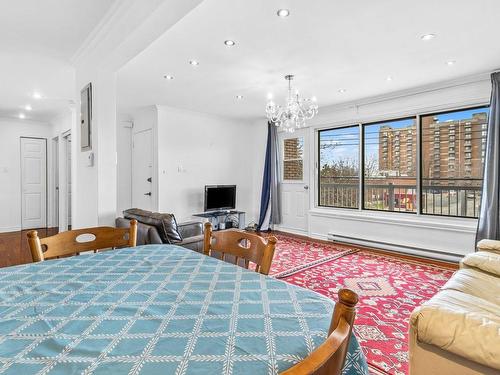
{"x": 54, "y": 196}
{"x": 43, "y": 221}
{"x": 136, "y": 174}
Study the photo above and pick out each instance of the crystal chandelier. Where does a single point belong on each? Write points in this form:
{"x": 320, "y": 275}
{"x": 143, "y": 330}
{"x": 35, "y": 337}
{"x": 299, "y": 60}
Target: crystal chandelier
{"x": 295, "y": 113}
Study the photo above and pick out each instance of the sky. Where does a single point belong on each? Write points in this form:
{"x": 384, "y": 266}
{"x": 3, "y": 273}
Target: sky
{"x": 346, "y": 140}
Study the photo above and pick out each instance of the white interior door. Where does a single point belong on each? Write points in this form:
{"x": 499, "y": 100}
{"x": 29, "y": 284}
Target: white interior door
{"x": 142, "y": 170}
{"x": 33, "y": 183}
{"x": 294, "y": 151}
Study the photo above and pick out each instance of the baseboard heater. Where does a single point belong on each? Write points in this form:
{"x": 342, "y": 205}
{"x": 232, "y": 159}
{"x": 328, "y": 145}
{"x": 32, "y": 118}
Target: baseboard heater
{"x": 411, "y": 250}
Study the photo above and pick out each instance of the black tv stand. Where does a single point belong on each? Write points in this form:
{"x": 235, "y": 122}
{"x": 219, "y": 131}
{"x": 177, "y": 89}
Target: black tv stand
{"x": 216, "y": 218}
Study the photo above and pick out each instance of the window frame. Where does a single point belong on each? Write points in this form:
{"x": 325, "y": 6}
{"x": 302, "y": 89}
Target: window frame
{"x": 360, "y": 167}
{"x": 421, "y": 164}
{"x": 417, "y": 116}
{"x": 362, "y": 171}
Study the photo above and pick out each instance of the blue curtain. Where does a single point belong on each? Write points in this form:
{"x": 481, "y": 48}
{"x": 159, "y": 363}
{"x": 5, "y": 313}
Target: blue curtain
{"x": 270, "y": 205}
{"x": 489, "y": 214}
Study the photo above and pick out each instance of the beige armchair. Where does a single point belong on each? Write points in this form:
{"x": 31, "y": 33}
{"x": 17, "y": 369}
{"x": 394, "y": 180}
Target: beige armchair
{"x": 458, "y": 330}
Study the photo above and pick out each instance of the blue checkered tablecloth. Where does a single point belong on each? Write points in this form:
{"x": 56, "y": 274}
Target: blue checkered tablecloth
{"x": 157, "y": 309}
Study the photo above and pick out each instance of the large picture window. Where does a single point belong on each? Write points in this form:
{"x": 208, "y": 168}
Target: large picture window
{"x": 453, "y": 147}
{"x": 452, "y": 151}
{"x": 339, "y": 167}
{"x": 390, "y": 157}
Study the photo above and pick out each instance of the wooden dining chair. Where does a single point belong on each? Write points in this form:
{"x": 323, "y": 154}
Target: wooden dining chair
{"x": 76, "y": 241}
{"x": 240, "y": 248}
{"x": 329, "y": 357}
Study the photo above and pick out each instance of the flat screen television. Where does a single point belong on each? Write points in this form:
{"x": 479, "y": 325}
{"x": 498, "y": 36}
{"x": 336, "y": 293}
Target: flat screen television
{"x": 220, "y": 197}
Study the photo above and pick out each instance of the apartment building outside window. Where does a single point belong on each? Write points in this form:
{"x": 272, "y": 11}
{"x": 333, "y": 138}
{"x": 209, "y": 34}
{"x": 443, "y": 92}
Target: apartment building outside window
{"x": 453, "y": 188}
{"x": 390, "y": 174}
{"x": 452, "y": 151}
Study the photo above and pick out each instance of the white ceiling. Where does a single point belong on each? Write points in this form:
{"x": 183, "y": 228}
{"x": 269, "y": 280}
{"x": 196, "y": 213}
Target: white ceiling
{"x": 329, "y": 45}
{"x": 37, "y": 40}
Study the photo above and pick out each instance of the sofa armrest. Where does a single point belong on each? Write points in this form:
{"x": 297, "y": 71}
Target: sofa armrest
{"x": 153, "y": 236}
{"x": 460, "y": 323}
{"x": 190, "y": 229}
{"x": 489, "y": 245}
{"x": 146, "y": 234}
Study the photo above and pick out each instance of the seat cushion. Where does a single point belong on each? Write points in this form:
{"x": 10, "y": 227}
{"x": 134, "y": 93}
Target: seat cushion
{"x": 164, "y": 223}
{"x": 484, "y": 260}
{"x": 192, "y": 239}
{"x": 460, "y": 323}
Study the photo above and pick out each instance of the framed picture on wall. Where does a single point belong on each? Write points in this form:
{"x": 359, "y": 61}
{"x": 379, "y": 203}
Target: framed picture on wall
{"x": 86, "y": 118}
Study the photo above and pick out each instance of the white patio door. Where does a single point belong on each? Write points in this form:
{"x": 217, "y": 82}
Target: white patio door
{"x": 294, "y": 151}
{"x": 33, "y": 183}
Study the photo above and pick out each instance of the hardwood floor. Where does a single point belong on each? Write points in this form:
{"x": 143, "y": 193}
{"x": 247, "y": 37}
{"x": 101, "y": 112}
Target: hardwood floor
{"x": 14, "y": 247}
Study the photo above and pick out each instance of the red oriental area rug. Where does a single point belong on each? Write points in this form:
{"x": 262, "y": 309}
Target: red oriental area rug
{"x": 294, "y": 254}
{"x": 389, "y": 288}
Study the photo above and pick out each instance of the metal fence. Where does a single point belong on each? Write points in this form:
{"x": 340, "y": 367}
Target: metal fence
{"x": 448, "y": 197}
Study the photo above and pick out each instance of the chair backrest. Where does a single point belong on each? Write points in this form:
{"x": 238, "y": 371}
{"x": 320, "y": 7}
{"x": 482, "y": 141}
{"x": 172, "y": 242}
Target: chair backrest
{"x": 240, "y": 247}
{"x": 80, "y": 240}
{"x": 329, "y": 357}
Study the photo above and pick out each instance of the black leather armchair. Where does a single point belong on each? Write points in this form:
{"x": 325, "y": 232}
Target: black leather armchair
{"x": 191, "y": 232}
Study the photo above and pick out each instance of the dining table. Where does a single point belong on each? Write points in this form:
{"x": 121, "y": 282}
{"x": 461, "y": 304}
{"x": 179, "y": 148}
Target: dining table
{"x": 157, "y": 309}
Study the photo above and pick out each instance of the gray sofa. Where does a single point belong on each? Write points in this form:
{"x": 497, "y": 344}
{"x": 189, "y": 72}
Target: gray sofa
{"x": 191, "y": 233}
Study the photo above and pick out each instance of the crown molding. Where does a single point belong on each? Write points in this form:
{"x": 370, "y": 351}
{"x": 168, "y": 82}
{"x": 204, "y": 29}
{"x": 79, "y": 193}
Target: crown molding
{"x": 127, "y": 28}
{"x": 117, "y": 10}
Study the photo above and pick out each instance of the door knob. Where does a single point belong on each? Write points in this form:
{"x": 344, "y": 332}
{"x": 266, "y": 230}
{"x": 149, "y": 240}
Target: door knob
{"x": 149, "y": 193}
{"x": 306, "y": 187}
{"x": 149, "y": 179}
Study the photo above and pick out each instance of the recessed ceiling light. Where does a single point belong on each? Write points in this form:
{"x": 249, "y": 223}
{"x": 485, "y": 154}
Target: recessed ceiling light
{"x": 283, "y": 13}
{"x": 168, "y": 76}
{"x": 28, "y": 107}
{"x": 239, "y": 97}
{"x": 229, "y": 43}
{"x": 450, "y": 62}
{"x": 342, "y": 91}
{"x": 37, "y": 95}
{"x": 428, "y": 36}
{"x": 389, "y": 78}
{"x": 194, "y": 62}
{"x": 22, "y": 116}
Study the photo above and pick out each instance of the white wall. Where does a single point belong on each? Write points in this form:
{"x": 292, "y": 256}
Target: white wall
{"x": 10, "y": 167}
{"x": 94, "y": 186}
{"x": 194, "y": 149}
{"x": 442, "y": 236}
